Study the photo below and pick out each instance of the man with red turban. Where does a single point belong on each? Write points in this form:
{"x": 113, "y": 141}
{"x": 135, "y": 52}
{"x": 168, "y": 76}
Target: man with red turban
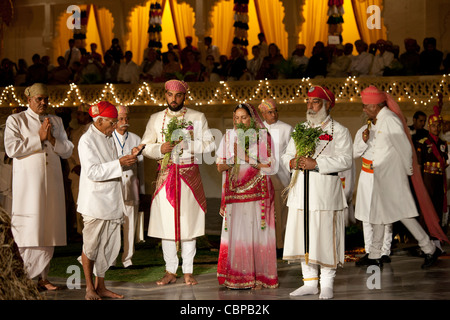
{"x": 432, "y": 156}
{"x": 326, "y": 227}
{"x": 177, "y": 213}
{"x": 100, "y": 198}
{"x": 393, "y": 161}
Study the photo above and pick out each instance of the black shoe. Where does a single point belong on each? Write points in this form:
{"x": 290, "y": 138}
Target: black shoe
{"x": 374, "y": 262}
{"x": 362, "y": 261}
{"x": 385, "y": 259}
{"x": 431, "y": 259}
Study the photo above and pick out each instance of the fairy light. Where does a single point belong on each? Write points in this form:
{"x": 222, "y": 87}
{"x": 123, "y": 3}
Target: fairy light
{"x": 224, "y": 94}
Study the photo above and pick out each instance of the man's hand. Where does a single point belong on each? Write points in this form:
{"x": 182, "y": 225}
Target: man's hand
{"x": 303, "y": 163}
{"x": 128, "y": 160}
{"x": 45, "y": 129}
{"x": 365, "y": 135}
{"x": 137, "y": 149}
{"x": 166, "y": 147}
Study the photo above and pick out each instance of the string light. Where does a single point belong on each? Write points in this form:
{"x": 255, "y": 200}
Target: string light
{"x": 223, "y": 94}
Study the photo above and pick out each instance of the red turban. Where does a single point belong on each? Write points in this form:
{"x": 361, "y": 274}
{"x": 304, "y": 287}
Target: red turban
{"x": 103, "y": 109}
{"x": 372, "y": 95}
{"x": 435, "y": 117}
{"x": 322, "y": 93}
{"x": 176, "y": 85}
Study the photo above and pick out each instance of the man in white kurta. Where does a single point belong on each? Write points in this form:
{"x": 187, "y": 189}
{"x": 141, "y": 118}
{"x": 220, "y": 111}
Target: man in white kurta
{"x": 392, "y": 199}
{"x": 133, "y": 182}
{"x": 281, "y": 134}
{"x": 100, "y": 200}
{"x": 363, "y": 148}
{"x": 327, "y": 202}
{"x": 177, "y": 215}
{"x": 37, "y": 141}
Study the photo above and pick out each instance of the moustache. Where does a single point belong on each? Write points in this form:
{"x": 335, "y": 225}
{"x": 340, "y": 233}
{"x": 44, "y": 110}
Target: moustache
{"x": 124, "y": 125}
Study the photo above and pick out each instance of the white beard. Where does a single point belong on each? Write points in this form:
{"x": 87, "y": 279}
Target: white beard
{"x": 316, "y": 118}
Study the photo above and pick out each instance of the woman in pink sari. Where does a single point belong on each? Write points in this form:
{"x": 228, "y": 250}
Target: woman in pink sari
{"x": 247, "y": 257}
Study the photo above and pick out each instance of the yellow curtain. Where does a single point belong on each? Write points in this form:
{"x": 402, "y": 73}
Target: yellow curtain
{"x": 350, "y": 32}
{"x": 361, "y": 16}
{"x": 137, "y": 37}
{"x": 222, "y": 31}
{"x": 103, "y": 28}
{"x": 271, "y": 15}
{"x": 315, "y": 27}
{"x": 183, "y": 20}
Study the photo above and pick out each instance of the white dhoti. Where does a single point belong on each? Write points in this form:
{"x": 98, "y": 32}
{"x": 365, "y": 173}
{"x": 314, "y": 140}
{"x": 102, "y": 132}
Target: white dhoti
{"x": 326, "y": 237}
{"x": 36, "y": 260}
{"x": 101, "y": 242}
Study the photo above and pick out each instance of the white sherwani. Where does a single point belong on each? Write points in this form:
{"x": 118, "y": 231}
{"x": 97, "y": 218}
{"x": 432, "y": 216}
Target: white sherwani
{"x": 192, "y": 220}
{"x": 281, "y": 134}
{"x": 326, "y": 202}
{"x": 101, "y": 194}
{"x": 38, "y": 208}
{"x": 365, "y": 189}
{"x": 133, "y": 181}
{"x": 392, "y": 199}
{"x": 361, "y": 64}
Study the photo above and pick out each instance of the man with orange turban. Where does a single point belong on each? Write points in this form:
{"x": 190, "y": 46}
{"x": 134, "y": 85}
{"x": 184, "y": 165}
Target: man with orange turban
{"x": 177, "y": 213}
{"x": 393, "y": 161}
{"x": 432, "y": 156}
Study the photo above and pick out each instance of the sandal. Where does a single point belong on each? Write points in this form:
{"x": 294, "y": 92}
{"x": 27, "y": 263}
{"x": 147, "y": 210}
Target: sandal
{"x": 168, "y": 278}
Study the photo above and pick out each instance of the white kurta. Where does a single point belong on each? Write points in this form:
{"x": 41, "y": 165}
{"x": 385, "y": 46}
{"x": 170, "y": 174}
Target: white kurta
{"x": 192, "y": 217}
{"x": 365, "y": 182}
{"x": 101, "y": 194}
{"x": 326, "y": 202}
{"x": 281, "y": 134}
{"x": 392, "y": 199}
{"x": 38, "y": 209}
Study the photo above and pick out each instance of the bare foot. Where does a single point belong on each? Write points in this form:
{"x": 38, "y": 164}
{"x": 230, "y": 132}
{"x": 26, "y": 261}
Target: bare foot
{"x": 105, "y": 293}
{"x": 189, "y": 279}
{"x": 47, "y": 285}
{"x": 92, "y": 295}
{"x": 168, "y": 278}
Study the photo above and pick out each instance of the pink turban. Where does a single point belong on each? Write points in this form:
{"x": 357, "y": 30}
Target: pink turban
{"x": 122, "y": 109}
{"x": 176, "y": 85}
{"x": 267, "y": 105}
{"x": 322, "y": 93}
{"x": 372, "y": 95}
{"x": 103, "y": 109}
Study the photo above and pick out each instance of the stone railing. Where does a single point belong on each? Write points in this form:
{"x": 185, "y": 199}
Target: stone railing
{"x": 419, "y": 91}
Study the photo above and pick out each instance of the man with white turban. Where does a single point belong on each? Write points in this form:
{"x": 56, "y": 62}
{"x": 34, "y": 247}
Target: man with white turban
{"x": 281, "y": 134}
{"x": 133, "y": 181}
{"x": 37, "y": 141}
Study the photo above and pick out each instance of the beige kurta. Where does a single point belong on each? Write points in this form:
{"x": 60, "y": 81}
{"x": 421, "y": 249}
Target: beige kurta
{"x": 192, "y": 216}
{"x": 326, "y": 202}
{"x": 38, "y": 209}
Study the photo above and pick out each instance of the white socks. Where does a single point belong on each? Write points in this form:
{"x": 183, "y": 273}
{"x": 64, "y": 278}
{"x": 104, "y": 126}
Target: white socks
{"x": 311, "y": 281}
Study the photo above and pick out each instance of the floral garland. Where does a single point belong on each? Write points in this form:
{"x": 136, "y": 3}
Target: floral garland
{"x": 154, "y": 26}
{"x": 174, "y": 125}
{"x": 335, "y": 19}
{"x": 240, "y": 23}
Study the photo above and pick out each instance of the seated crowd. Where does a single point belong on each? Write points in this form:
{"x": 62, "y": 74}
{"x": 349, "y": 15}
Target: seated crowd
{"x": 190, "y": 64}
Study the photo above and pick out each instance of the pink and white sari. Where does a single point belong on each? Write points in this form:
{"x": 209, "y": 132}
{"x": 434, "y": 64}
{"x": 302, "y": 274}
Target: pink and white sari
{"x": 247, "y": 256}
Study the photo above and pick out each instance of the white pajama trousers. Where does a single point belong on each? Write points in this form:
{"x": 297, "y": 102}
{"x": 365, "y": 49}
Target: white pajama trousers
{"x": 387, "y": 239}
{"x": 413, "y": 226}
{"x": 310, "y": 273}
{"x": 188, "y": 251}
